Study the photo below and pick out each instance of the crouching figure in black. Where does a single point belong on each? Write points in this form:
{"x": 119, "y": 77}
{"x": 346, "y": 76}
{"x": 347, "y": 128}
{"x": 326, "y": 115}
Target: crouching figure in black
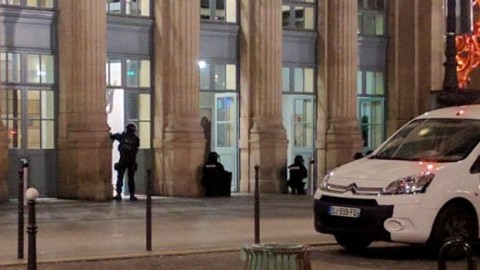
{"x": 128, "y": 148}
{"x": 213, "y": 176}
{"x": 297, "y": 173}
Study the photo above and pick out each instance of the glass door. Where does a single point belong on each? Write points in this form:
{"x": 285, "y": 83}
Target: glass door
{"x": 224, "y": 139}
{"x": 371, "y": 113}
{"x": 298, "y": 120}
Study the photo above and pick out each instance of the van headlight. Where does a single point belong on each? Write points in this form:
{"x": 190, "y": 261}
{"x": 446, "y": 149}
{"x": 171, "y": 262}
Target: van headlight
{"x": 324, "y": 182}
{"x": 409, "y": 184}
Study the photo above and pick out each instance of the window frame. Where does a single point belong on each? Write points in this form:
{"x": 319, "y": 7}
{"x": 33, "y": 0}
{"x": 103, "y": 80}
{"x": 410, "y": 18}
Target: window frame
{"x": 364, "y": 97}
{"x": 292, "y": 20}
{"x": 211, "y": 64}
{"x": 366, "y": 12}
{"x": 23, "y": 4}
{"x": 24, "y": 87}
{"x": 123, "y": 8}
{"x": 292, "y": 79}
{"x": 132, "y": 90}
{"x": 212, "y": 9}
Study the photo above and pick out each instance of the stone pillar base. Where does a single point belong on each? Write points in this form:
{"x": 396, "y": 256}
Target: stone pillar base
{"x": 182, "y": 163}
{"x": 268, "y": 148}
{"x": 84, "y": 170}
{"x": 180, "y": 158}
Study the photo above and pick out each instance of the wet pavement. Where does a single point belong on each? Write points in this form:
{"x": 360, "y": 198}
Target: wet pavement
{"x": 80, "y": 231}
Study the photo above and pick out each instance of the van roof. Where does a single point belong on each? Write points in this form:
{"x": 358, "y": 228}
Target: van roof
{"x": 466, "y": 112}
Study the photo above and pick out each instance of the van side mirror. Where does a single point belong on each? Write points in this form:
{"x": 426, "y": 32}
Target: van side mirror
{"x": 358, "y": 155}
{"x": 475, "y": 166}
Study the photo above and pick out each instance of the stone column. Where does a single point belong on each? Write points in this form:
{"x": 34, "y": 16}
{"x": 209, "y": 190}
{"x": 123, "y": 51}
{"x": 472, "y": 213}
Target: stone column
{"x": 179, "y": 141}
{"x": 415, "y": 57}
{"x": 261, "y": 41}
{"x": 3, "y": 151}
{"x": 322, "y": 91}
{"x": 343, "y": 134}
{"x": 84, "y": 147}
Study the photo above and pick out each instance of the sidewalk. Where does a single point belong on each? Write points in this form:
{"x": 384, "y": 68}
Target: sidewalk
{"x": 79, "y": 230}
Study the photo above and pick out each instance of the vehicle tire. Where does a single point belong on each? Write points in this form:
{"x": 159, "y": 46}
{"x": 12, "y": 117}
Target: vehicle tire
{"x": 453, "y": 222}
{"x": 353, "y": 243}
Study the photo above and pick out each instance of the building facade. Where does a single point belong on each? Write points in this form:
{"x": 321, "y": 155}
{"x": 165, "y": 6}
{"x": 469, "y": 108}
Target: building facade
{"x": 257, "y": 81}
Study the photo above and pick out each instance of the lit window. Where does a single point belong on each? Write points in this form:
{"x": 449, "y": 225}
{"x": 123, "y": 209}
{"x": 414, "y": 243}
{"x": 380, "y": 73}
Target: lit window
{"x": 39, "y": 128}
{"x": 204, "y": 75}
{"x": 128, "y": 95}
{"x": 114, "y": 72}
{"x": 29, "y": 3}
{"x": 11, "y": 2}
{"x": 10, "y": 67}
{"x": 374, "y": 83}
{"x": 359, "y": 82}
{"x": 298, "y": 80}
{"x": 137, "y": 110}
{"x": 28, "y": 111}
{"x": 217, "y": 76}
{"x": 40, "y": 115}
{"x": 299, "y": 14}
{"x": 371, "y": 107}
{"x": 40, "y": 3}
{"x": 303, "y": 122}
{"x": 128, "y": 7}
{"x": 40, "y": 68}
{"x": 11, "y": 115}
{"x": 138, "y": 73}
{"x": 219, "y": 10}
{"x": 371, "y": 17}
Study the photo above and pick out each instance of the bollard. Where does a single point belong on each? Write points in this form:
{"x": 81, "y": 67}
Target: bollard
{"x": 32, "y": 195}
{"x": 257, "y": 207}
{"x": 25, "y": 167}
{"x": 21, "y": 218}
{"x": 149, "y": 210}
{"x": 458, "y": 243}
{"x": 311, "y": 177}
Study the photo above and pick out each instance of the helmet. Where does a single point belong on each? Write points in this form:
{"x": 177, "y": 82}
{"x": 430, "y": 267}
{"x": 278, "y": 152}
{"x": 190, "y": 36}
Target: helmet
{"x": 131, "y": 127}
{"x": 213, "y": 156}
{"x": 298, "y": 159}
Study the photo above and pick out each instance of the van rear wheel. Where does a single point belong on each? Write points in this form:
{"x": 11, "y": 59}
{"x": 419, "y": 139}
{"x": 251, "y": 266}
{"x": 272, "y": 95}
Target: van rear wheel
{"x": 453, "y": 222}
{"x": 353, "y": 243}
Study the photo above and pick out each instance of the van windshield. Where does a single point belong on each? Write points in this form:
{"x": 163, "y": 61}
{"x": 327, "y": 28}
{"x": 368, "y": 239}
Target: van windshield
{"x": 436, "y": 140}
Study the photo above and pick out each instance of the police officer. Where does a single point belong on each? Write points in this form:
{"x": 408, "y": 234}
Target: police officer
{"x": 297, "y": 173}
{"x": 128, "y": 148}
{"x": 213, "y": 172}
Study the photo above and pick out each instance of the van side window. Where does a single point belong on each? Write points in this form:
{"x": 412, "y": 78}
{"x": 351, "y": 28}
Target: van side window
{"x": 475, "y": 166}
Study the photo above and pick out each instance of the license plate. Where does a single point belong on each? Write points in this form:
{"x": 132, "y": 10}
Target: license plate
{"x": 344, "y": 211}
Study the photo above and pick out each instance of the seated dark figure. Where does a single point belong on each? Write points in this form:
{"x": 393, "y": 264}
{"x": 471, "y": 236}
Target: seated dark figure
{"x": 215, "y": 178}
{"x": 297, "y": 173}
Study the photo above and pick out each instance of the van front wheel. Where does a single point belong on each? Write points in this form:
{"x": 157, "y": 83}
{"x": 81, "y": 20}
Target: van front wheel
{"x": 453, "y": 222}
{"x": 353, "y": 243}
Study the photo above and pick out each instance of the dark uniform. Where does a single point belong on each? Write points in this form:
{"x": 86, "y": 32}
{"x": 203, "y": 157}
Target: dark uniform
{"x": 213, "y": 176}
{"x": 128, "y": 148}
{"x": 297, "y": 173}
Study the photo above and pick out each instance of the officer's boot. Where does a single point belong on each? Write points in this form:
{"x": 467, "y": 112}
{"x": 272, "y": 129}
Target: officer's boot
{"x": 118, "y": 197}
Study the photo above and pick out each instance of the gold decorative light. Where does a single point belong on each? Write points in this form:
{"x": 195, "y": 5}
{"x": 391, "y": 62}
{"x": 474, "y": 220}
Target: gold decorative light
{"x": 468, "y": 50}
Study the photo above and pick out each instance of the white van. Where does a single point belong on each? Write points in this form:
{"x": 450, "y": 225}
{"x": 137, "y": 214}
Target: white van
{"x": 420, "y": 186}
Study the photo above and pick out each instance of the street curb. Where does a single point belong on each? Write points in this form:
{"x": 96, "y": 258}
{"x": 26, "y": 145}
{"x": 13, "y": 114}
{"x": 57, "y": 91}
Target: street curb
{"x": 142, "y": 255}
